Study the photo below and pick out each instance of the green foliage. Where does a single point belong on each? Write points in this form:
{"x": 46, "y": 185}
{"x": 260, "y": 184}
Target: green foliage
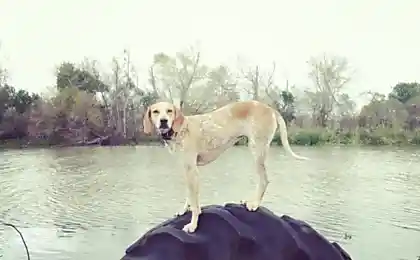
{"x": 148, "y": 98}
{"x": 285, "y": 104}
{"x": 415, "y": 138}
{"x": 383, "y": 136}
{"x": 319, "y": 136}
{"x": 21, "y": 100}
{"x": 405, "y": 91}
{"x": 68, "y": 75}
{"x": 309, "y": 137}
{"x": 288, "y": 109}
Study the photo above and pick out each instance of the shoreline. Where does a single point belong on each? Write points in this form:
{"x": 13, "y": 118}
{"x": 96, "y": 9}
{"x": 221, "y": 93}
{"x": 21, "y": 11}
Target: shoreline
{"x": 17, "y": 144}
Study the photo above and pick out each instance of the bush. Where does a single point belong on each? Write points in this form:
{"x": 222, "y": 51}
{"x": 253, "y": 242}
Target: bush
{"x": 415, "y": 138}
{"x": 308, "y": 137}
{"x": 383, "y": 136}
{"x": 320, "y": 136}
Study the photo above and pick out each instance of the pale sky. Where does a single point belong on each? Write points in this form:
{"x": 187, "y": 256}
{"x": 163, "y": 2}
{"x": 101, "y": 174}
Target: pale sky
{"x": 381, "y": 39}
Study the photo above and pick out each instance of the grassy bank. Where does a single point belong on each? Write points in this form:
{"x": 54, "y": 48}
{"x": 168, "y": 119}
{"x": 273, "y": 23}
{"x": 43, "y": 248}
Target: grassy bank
{"x": 319, "y": 136}
{"x": 297, "y": 136}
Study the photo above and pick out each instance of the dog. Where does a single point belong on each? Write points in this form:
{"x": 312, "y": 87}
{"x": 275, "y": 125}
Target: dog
{"x": 203, "y": 138}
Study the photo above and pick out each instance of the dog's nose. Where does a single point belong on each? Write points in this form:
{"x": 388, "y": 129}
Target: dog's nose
{"x": 164, "y": 122}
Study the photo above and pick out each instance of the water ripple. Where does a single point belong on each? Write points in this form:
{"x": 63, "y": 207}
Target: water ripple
{"x": 64, "y": 200}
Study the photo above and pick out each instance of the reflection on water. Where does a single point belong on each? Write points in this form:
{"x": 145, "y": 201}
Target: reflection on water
{"x": 91, "y": 203}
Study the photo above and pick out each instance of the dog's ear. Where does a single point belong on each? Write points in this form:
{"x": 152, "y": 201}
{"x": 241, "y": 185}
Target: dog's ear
{"x": 178, "y": 119}
{"x": 147, "y": 122}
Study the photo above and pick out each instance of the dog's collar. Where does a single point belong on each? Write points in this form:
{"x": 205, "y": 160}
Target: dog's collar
{"x": 169, "y": 140}
{"x": 169, "y": 136}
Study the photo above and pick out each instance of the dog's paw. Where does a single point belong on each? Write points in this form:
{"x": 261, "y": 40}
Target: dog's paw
{"x": 190, "y": 227}
{"x": 251, "y": 205}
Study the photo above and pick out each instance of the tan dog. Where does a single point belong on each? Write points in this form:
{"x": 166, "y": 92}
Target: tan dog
{"x": 202, "y": 138}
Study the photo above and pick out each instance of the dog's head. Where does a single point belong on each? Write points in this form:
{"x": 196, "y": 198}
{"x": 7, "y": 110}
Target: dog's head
{"x": 163, "y": 117}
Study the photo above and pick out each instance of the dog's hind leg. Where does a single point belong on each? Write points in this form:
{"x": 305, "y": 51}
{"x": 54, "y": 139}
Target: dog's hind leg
{"x": 259, "y": 141}
{"x": 259, "y": 152}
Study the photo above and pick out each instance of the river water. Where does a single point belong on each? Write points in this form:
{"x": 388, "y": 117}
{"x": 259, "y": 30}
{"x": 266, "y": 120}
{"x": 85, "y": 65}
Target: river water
{"x": 92, "y": 203}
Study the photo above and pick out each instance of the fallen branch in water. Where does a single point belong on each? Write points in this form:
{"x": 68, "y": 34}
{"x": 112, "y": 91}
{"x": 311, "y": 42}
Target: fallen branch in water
{"x": 21, "y": 236}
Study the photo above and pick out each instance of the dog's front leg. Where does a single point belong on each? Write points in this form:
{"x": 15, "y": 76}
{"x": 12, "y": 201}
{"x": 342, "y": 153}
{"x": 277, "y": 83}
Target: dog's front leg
{"x": 193, "y": 197}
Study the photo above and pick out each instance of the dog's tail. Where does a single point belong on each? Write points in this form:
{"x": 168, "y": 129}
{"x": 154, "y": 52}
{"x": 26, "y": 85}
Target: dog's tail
{"x": 283, "y": 136}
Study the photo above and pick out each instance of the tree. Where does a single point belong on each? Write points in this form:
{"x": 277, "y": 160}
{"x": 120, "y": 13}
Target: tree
{"x": 127, "y": 92}
{"x": 89, "y": 103}
{"x": 282, "y": 100}
{"x": 174, "y": 77}
{"x": 252, "y": 75}
{"x": 219, "y": 90}
{"x": 72, "y": 116}
{"x": 122, "y": 95}
{"x": 287, "y": 106}
{"x": 346, "y": 106}
{"x": 329, "y": 76}
{"x": 23, "y": 100}
{"x": 413, "y": 110}
{"x": 20, "y": 101}
{"x": 384, "y": 113}
{"x": 405, "y": 91}
{"x": 3, "y": 76}
{"x": 259, "y": 84}
{"x": 6, "y": 92}
{"x": 68, "y": 75}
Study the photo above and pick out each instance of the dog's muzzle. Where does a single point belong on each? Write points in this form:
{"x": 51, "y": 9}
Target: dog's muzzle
{"x": 167, "y": 135}
{"x": 164, "y": 130}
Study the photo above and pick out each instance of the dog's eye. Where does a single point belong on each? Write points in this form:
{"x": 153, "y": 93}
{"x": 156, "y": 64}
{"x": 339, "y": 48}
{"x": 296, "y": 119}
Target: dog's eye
{"x": 169, "y": 111}
{"x": 155, "y": 112}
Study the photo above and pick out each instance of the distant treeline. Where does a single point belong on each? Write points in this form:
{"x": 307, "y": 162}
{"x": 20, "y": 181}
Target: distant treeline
{"x": 88, "y": 106}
